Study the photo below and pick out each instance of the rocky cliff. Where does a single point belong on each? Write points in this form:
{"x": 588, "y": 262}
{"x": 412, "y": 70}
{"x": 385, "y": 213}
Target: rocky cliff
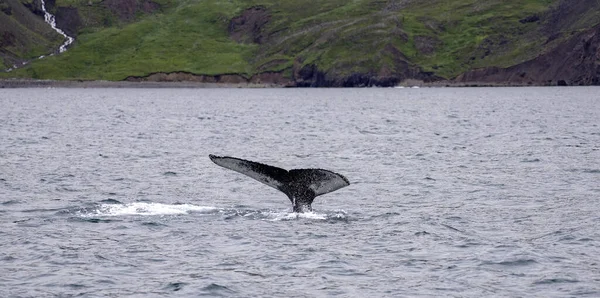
{"x": 575, "y": 61}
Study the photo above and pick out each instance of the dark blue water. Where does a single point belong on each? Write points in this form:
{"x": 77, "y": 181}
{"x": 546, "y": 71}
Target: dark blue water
{"x": 454, "y": 193}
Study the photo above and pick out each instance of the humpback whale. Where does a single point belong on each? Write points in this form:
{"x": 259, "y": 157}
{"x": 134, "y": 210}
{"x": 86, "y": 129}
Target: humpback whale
{"x": 300, "y": 185}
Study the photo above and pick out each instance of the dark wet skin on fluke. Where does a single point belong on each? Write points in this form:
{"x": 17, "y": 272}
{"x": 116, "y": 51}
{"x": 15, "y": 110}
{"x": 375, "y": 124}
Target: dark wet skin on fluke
{"x": 300, "y": 185}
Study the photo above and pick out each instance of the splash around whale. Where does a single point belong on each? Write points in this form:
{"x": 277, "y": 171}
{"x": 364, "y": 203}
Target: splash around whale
{"x": 300, "y": 185}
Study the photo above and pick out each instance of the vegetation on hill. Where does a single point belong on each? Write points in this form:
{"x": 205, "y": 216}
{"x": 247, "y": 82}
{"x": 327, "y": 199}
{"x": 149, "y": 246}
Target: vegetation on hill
{"x": 438, "y": 39}
{"x": 23, "y": 34}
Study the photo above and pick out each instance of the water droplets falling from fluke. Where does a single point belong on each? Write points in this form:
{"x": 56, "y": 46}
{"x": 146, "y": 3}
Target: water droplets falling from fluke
{"x": 51, "y": 20}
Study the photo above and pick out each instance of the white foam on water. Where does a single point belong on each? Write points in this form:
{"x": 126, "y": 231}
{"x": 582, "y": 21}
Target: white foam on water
{"x": 277, "y": 216}
{"x": 141, "y": 208}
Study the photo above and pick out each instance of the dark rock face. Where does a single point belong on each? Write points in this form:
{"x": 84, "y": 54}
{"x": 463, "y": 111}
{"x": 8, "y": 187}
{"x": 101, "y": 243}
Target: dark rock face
{"x": 529, "y": 19}
{"x": 49, "y": 4}
{"x": 311, "y": 76}
{"x": 7, "y": 39}
{"x": 5, "y": 8}
{"x": 248, "y": 27}
{"x": 36, "y": 6}
{"x": 566, "y": 14}
{"x": 126, "y": 10}
{"x": 68, "y": 20}
{"x": 149, "y": 6}
{"x": 574, "y": 62}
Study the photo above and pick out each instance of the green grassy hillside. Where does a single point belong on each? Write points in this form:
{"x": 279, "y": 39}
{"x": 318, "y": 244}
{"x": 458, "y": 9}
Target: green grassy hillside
{"x": 340, "y": 38}
{"x": 23, "y": 34}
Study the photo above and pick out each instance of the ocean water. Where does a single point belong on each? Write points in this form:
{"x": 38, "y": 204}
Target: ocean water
{"x": 455, "y": 192}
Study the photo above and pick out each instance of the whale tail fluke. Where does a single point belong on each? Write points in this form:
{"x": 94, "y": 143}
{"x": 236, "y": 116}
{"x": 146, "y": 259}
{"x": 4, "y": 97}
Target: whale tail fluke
{"x": 269, "y": 175}
{"x": 300, "y": 185}
{"x": 320, "y": 181}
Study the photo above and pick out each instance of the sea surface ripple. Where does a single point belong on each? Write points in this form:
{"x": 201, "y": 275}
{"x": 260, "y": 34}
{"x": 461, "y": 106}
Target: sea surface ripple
{"x": 455, "y": 192}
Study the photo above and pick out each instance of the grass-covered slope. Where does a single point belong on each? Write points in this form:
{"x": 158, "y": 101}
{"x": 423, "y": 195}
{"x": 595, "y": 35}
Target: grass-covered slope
{"x": 187, "y": 37}
{"x": 23, "y": 34}
{"x": 405, "y": 38}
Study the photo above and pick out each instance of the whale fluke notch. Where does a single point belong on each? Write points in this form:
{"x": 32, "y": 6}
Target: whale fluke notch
{"x": 300, "y": 185}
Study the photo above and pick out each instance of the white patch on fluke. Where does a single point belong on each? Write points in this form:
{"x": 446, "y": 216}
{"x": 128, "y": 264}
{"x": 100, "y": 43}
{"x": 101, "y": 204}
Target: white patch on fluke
{"x": 140, "y": 208}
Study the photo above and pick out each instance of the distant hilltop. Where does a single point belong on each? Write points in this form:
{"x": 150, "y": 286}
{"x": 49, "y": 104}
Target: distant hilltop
{"x": 300, "y": 43}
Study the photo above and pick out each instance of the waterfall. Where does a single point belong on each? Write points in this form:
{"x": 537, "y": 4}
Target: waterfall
{"x": 51, "y": 20}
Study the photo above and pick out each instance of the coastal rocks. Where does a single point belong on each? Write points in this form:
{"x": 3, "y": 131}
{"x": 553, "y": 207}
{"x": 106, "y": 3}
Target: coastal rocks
{"x": 311, "y": 76}
{"x": 187, "y": 77}
{"x": 275, "y": 78}
{"x": 265, "y": 78}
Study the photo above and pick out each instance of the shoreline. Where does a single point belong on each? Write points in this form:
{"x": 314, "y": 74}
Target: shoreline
{"x": 31, "y": 83}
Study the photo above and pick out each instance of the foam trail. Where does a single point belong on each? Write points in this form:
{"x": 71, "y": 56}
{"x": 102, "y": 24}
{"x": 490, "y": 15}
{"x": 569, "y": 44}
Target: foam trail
{"x": 140, "y": 208}
{"x": 51, "y": 20}
{"x": 306, "y": 215}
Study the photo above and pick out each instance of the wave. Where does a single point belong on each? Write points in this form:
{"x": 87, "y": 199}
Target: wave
{"x": 142, "y": 208}
{"x": 115, "y": 209}
{"x": 279, "y": 216}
